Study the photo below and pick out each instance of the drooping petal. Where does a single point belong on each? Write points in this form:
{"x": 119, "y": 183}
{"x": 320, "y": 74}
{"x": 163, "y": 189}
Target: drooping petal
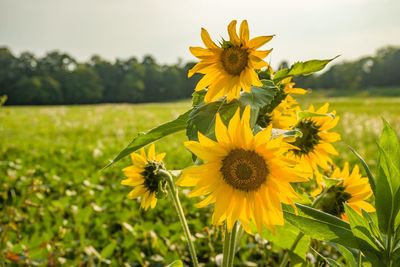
{"x": 205, "y": 36}
{"x": 244, "y": 32}
{"x": 234, "y": 38}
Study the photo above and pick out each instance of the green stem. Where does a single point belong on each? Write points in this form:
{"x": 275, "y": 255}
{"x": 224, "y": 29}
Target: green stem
{"x": 232, "y": 244}
{"x": 181, "y": 215}
{"x": 285, "y": 259}
{"x": 226, "y": 247}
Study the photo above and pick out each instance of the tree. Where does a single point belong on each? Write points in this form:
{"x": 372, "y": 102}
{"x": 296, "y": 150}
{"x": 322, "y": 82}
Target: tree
{"x": 83, "y": 86}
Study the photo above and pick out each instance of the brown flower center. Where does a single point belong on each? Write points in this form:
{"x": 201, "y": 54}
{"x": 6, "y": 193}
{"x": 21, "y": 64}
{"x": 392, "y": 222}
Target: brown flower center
{"x": 234, "y": 60}
{"x": 244, "y": 170}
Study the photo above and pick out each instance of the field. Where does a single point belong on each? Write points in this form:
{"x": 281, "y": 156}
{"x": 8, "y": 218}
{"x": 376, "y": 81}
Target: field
{"x": 57, "y": 207}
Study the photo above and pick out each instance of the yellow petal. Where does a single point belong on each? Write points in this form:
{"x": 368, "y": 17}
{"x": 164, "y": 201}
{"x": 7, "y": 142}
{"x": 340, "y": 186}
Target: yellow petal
{"x": 132, "y": 181}
{"x": 234, "y": 128}
{"x": 202, "y": 152}
{"x": 234, "y": 38}
{"x": 207, "y": 79}
{"x": 362, "y": 205}
{"x": 205, "y": 36}
{"x": 201, "y": 52}
{"x": 160, "y": 156}
{"x": 244, "y": 32}
{"x": 221, "y": 132}
{"x": 137, "y": 192}
{"x": 247, "y": 134}
{"x": 151, "y": 153}
{"x": 202, "y": 67}
{"x": 138, "y": 160}
{"x": 259, "y": 41}
{"x": 256, "y": 62}
{"x": 261, "y": 53}
{"x": 324, "y": 108}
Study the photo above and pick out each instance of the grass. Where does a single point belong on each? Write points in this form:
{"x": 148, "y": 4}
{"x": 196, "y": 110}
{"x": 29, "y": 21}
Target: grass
{"x": 58, "y": 208}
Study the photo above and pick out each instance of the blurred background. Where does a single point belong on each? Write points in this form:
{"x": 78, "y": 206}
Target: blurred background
{"x": 123, "y": 57}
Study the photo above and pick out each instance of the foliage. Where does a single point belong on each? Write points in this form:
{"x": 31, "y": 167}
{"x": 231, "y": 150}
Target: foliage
{"x": 375, "y": 237}
{"x": 56, "y": 206}
{"x": 57, "y": 78}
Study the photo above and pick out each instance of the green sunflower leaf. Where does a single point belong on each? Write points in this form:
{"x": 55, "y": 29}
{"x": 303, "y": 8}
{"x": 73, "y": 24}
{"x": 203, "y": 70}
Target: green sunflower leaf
{"x": 286, "y": 133}
{"x": 322, "y": 226}
{"x": 198, "y": 97}
{"x": 202, "y": 117}
{"x": 308, "y": 114}
{"x": 152, "y": 135}
{"x": 388, "y": 180}
{"x": 348, "y": 255}
{"x": 290, "y": 233}
{"x": 361, "y": 228}
{"x": 302, "y": 68}
{"x": 390, "y": 156}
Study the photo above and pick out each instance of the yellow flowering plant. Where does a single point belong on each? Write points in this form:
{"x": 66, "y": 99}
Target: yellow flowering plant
{"x": 252, "y": 147}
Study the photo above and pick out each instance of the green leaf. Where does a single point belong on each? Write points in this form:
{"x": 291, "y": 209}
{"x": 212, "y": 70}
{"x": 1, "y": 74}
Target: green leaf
{"x": 290, "y": 233}
{"x": 361, "y": 228}
{"x": 202, "y": 117}
{"x": 286, "y": 133}
{"x": 329, "y": 261}
{"x": 390, "y": 145}
{"x": 177, "y": 263}
{"x": 322, "y": 226}
{"x": 348, "y": 255}
{"x": 259, "y": 97}
{"x": 371, "y": 177}
{"x": 372, "y": 221}
{"x": 308, "y": 114}
{"x": 198, "y": 97}
{"x": 302, "y": 68}
{"x": 383, "y": 201}
{"x": 108, "y": 250}
{"x": 154, "y": 134}
{"x": 388, "y": 180}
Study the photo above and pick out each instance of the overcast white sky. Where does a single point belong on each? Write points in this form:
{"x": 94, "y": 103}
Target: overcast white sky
{"x": 304, "y": 29}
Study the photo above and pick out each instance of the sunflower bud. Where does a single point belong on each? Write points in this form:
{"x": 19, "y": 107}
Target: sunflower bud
{"x": 332, "y": 200}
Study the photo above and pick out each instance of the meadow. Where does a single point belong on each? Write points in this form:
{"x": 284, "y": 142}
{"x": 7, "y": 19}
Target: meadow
{"x": 58, "y": 208}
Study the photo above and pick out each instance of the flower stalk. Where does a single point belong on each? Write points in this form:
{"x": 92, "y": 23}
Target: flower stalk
{"x": 181, "y": 215}
{"x": 229, "y": 249}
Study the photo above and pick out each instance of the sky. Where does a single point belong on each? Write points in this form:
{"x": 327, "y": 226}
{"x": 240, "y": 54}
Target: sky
{"x": 304, "y": 29}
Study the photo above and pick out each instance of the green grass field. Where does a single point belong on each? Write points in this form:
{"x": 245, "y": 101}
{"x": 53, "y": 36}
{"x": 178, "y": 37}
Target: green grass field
{"x": 58, "y": 208}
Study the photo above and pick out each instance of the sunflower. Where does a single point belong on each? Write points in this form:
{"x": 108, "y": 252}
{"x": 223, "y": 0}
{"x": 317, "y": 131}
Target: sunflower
{"x": 314, "y": 147}
{"x": 247, "y": 177}
{"x": 353, "y": 189}
{"x": 290, "y": 89}
{"x": 231, "y": 67}
{"x": 142, "y": 175}
{"x": 284, "y": 115}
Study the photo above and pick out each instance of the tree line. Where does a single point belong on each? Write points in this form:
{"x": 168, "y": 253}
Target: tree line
{"x": 58, "y": 78}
